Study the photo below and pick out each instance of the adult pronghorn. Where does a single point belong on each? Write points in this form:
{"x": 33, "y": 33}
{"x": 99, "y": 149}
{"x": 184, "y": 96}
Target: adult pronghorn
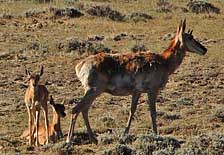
{"x": 36, "y": 97}
{"x": 131, "y": 74}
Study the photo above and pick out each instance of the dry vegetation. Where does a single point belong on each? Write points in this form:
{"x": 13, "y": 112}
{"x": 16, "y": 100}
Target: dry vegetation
{"x": 57, "y": 34}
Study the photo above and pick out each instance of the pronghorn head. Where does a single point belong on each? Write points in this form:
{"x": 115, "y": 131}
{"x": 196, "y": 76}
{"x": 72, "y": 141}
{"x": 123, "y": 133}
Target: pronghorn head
{"x": 58, "y": 108}
{"x": 34, "y": 79}
{"x": 187, "y": 40}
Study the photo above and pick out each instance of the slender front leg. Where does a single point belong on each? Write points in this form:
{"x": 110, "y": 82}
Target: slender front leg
{"x": 37, "y": 126}
{"x": 134, "y": 103}
{"x": 88, "y": 98}
{"x": 46, "y": 124}
{"x": 71, "y": 128}
{"x": 89, "y": 130}
{"x": 152, "y": 107}
{"x": 30, "y": 122}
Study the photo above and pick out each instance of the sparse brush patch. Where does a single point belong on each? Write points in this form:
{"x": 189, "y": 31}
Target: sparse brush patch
{"x": 209, "y": 144}
{"x": 105, "y": 11}
{"x": 43, "y": 1}
{"x": 169, "y": 130}
{"x": 202, "y": 6}
{"x": 164, "y": 6}
{"x": 139, "y": 16}
{"x": 53, "y": 12}
{"x": 62, "y": 148}
{"x": 127, "y": 139}
{"x": 105, "y": 138}
{"x": 149, "y": 144}
{"x": 172, "y": 116}
{"x": 68, "y": 12}
{"x": 36, "y": 48}
{"x": 81, "y": 138}
{"x": 120, "y": 36}
{"x": 119, "y": 149}
{"x": 185, "y": 101}
{"x": 6, "y": 15}
{"x": 123, "y": 149}
{"x": 34, "y": 12}
{"x": 96, "y": 38}
{"x": 108, "y": 121}
{"x": 218, "y": 114}
{"x": 82, "y": 46}
{"x": 139, "y": 48}
{"x": 107, "y": 152}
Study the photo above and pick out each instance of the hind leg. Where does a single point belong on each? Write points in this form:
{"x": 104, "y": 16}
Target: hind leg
{"x": 45, "y": 110}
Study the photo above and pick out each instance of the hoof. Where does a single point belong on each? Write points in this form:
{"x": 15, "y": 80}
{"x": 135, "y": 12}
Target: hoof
{"x": 123, "y": 139}
{"x": 94, "y": 140}
{"x": 127, "y": 139}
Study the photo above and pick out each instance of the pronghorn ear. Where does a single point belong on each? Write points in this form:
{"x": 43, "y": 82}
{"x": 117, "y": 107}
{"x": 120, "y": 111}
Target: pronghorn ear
{"x": 178, "y": 31}
{"x": 41, "y": 70}
{"x": 182, "y": 27}
{"x": 27, "y": 72}
{"x": 181, "y": 31}
{"x": 51, "y": 101}
{"x": 63, "y": 102}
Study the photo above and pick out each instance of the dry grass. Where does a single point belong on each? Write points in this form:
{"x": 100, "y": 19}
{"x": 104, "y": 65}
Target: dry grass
{"x": 186, "y": 107}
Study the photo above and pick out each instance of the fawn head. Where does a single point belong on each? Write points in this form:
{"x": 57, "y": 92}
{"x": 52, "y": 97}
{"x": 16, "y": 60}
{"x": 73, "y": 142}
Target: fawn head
{"x": 34, "y": 79}
{"x": 59, "y": 108}
{"x": 187, "y": 40}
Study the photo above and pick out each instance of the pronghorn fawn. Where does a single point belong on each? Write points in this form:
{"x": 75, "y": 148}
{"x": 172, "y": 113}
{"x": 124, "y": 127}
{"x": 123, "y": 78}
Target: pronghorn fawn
{"x": 131, "y": 74}
{"x": 36, "y": 97}
{"x": 54, "y": 129}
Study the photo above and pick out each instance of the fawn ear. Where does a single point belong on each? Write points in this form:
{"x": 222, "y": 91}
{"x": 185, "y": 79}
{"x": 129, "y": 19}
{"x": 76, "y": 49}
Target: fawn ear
{"x": 27, "y": 72}
{"x": 63, "y": 102}
{"x": 51, "y": 101}
{"x": 41, "y": 70}
{"x": 190, "y": 31}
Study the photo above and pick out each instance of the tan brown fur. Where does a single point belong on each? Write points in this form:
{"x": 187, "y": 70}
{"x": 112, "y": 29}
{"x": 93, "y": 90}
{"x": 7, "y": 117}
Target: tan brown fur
{"x": 131, "y": 74}
{"x": 36, "y": 97}
{"x": 54, "y": 128}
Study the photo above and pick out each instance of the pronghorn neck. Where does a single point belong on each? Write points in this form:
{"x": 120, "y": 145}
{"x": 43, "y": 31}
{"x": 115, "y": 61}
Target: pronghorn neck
{"x": 174, "y": 56}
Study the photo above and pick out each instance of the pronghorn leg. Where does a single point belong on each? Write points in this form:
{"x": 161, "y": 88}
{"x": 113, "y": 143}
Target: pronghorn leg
{"x": 134, "y": 103}
{"x": 71, "y": 127}
{"x": 86, "y": 101}
{"x": 89, "y": 130}
{"x": 30, "y": 122}
{"x": 152, "y": 107}
{"x": 45, "y": 109}
{"x": 37, "y": 126}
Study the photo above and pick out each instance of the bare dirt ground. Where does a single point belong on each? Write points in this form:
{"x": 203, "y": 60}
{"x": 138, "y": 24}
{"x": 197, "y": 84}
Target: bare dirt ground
{"x": 190, "y": 108}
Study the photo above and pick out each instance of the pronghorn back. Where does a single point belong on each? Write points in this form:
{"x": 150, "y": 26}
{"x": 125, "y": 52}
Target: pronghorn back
{"x": 121, "y": 74}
